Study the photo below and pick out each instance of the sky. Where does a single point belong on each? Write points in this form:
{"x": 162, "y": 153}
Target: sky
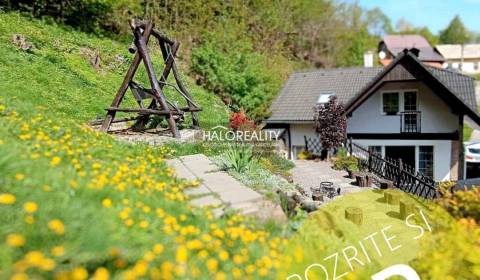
{"x": 435, "y": 14}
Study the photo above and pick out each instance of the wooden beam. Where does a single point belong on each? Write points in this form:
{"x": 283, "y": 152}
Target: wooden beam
{"x": 406, "y": 136}
{"x": 461, "y": 156}
{"x": 126, "y": 82}
{"x": 145, "y": 111}
{"x": 142, "y": 50}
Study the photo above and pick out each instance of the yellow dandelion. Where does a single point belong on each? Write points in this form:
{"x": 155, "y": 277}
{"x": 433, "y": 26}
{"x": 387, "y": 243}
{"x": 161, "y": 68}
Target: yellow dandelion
{"x": 212, "y": 265}
{"x": 15, "y": 240}
{"x": 107, "y": 203}
{"x": 220, "y": 276}
{"x": 158, "y": 248}
{"x": 236, "y": 273}
{"x": 7, "y": 198}
{"x": 101, "y": 274}
{"x": 129, "y": 222}
{"x": 29, "y": 219}
{"x": 55, "y": 161}
{"x": 19, "y": 276}
{"x": 56, "y": 226}
{"x": 58, "y": 251}
{"x": 79, "y": 273}
{"x": 181, "y": 255}
{"x": 30, "y": 207}
{"x": 143, "y": 224}
{"x": 19, "y": 176}
{"x": 223, "y": 255}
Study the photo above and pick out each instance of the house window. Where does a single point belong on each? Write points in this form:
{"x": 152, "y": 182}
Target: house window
{"x": 324, "y": 97}
{"x": 375, "y": 149}
{"x": 390, "y": 103}
{"x": 425, "y": 160}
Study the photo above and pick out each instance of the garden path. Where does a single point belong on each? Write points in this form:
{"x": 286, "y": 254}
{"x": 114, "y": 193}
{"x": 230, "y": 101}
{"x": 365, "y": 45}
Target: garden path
{"x": 217, "y": 188}
{"x": 309, "y": 173}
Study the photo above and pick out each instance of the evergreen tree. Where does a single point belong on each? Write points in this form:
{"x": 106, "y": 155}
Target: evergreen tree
{"x": 455, "y": 33}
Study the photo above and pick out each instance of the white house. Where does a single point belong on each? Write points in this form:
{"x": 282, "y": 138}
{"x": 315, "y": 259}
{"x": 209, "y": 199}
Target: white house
{"x": 407, "y": 110}
{"x": 464, "y": 58}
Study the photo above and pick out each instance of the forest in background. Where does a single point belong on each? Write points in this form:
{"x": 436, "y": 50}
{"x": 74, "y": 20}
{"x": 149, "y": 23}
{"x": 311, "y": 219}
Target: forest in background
{"x": 244, "y": 50}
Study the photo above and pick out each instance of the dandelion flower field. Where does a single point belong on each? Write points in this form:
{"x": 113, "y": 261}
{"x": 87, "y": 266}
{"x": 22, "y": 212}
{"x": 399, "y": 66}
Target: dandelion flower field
{"x": 76, "y": 204}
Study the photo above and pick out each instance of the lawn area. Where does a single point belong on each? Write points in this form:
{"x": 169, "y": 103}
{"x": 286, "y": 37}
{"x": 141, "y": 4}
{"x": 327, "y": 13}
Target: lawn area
{"x": 77, "y": 204}
{"x": 328, "y": 231}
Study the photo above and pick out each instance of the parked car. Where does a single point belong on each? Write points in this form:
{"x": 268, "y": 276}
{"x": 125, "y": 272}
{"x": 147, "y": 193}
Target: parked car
{"x": 472, "y": 152}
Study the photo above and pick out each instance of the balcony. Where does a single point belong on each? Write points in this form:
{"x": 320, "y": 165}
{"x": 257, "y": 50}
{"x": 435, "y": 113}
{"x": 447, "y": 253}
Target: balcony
{"x": 410, "y": 122}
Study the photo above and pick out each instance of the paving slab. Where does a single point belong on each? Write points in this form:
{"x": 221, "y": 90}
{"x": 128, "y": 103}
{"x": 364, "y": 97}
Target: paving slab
{"x": 240, "y": 196}
{"x": 220, "y": 182}
{"x": 208, "y": 200}
{"x": 200, "y": 190}
{"x": 218, "y": 187}
{"x": 181, "y": 170}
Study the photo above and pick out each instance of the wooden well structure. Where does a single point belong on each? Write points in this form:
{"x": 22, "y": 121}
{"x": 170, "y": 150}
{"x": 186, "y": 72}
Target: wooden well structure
{"x": 158, "y": 103}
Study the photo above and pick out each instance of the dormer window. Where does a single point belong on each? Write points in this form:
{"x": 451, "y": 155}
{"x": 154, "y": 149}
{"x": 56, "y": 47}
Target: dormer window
{"x": 324, "y": 97}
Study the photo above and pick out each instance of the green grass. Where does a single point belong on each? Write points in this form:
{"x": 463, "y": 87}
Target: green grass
{"x": 119, "y": 204}
{"x": 57, "y": 74}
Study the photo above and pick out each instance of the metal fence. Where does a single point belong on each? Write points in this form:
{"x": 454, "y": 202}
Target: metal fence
{"x": 403, "y": 176}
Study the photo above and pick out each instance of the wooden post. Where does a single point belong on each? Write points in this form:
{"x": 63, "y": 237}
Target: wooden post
{"x": 140, "y": 124}
{"x": 354, "y": 215}
{"x": 350, "y": 146}
{"x": 126, "y": 82}
{"x": 370, "y": 154}
{"x": 142, "y": 50}
{"x": 461, "y": 156}
{"x": 406, "y": 208}
{"x": 400, "y": 171}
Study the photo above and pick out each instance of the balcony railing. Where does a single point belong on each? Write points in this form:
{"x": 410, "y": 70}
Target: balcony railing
{"x": 410, "y": 122}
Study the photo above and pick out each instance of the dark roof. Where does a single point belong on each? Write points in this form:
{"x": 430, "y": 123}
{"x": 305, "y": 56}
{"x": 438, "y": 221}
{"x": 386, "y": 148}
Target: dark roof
{"x": 300, "y": 93}
{"x": 397, "y": 43}
{"x": 298, "y": 96}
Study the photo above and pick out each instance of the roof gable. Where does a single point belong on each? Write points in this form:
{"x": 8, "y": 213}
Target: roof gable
{"x": 300, "y": 93}
{"x": 447, "y": 85}
{"x": 397, "y": 43}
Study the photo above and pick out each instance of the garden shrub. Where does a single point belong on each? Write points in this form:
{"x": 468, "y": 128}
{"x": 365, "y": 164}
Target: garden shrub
{"x": 230, "y": 67}
{"x": 461, "y": 203}
{"x": 277, "y": 165}
{"x": 346, "y": 163}
{"x": 450, "y": 252}
{"x": 237, "y": 157}
{"x": 240, "y": 121}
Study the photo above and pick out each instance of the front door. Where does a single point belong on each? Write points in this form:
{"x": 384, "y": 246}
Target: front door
{"x": 406, "y": 153}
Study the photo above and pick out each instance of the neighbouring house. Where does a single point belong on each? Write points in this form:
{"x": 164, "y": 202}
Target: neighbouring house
{"x": 465, "y": 59}
{"x": 408, "y": 110}
{"x": 392, "y": 45}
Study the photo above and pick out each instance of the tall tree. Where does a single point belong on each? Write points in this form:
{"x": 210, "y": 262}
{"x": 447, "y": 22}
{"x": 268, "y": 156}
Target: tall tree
{"x": 455, "y": 33}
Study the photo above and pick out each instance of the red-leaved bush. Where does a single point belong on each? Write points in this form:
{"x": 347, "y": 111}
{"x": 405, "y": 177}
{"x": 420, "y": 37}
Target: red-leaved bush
{"x": 240, "y": 121}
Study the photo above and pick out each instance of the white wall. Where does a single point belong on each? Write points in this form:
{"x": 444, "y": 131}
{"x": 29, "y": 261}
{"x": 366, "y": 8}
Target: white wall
{"x": 297, "y": 133}
{"x": 441, "y": 153}
{"x": 436, "y": 116}
{"x": 468, "y": 67}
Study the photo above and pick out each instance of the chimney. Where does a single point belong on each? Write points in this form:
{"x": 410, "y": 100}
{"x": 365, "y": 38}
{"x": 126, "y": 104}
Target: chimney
{"x": 368, "y": 59}
{"x": 415, "y": 51}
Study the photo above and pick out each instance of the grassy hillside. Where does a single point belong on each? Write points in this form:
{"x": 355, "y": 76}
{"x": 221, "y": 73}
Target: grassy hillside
{"x": 77, "y": 204}
{"x": 56, "y": 73}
